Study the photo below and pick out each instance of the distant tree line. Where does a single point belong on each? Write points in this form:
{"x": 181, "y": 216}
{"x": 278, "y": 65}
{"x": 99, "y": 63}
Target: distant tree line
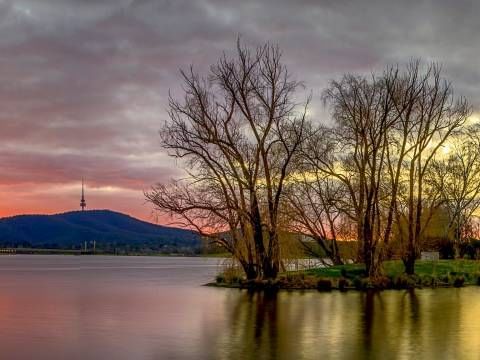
{"x": 399, "y": 153}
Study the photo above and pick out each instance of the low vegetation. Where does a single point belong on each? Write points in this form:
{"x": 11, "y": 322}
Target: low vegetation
{"x": 428, "y": 274}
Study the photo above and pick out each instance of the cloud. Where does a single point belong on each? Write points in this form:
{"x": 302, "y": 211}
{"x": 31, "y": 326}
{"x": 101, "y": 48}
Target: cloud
{"x": 84, "y": 84}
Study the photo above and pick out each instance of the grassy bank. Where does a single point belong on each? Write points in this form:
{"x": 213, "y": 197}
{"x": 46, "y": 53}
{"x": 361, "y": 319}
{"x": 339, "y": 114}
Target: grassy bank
{"x": 441, "y": 273}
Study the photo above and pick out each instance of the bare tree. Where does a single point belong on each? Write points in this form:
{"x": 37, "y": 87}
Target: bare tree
{"x": 387, "y": 131}
{"x": 431, "y": 117}
{"x": 238, "y": 133}
{"x": 203, "y": 208}
{"x": 364, "y": 115}
{"x": 313, "y": 200}
{"x": 457, "y": 178}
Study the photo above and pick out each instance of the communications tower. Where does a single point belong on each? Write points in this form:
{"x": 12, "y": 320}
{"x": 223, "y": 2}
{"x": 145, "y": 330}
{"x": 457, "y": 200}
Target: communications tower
{"x": 83, "y": 203}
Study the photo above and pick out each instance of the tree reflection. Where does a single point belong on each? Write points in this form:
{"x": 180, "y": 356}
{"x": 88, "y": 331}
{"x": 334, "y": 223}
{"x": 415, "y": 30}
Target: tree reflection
{"x": 305, "y": 325}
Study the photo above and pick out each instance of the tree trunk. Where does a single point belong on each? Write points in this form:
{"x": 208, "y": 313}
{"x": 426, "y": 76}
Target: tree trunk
{"x": 337, "y": 260}
{"x": 271, "y": 265}
{"x": 270, "y": 269}
{"x": 262, "y": 259}
{"x": 368, "y": 246}
{"x": 250, "y": 271}
{"x": 409, "y": 263}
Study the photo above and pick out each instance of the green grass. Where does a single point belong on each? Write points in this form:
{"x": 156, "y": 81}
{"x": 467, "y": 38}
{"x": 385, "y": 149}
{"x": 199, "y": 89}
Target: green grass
{"x": 440, "y": 273}
{"x": 335, "y": 271}
{"x": 395, "y": 268}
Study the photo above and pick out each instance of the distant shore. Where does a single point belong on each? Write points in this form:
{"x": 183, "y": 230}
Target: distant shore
{"x": 39, "y": 251}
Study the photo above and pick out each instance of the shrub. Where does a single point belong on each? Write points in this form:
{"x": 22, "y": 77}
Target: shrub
{"x": 382, "y": 282}
{"x": 343, "y": 284}
{"x": 445, "y": 279}
{"x": 230, "y": 275}
{"x": 459, "y": 281}
{"x": 324, "y": 285}
{"x": 295, "y": 280}
{"x": 310, "y": 282}
{"x": 404, "y": 281}
{"x": 358, "y": 283}
{"x": 363, "y": 283}
{"x": 260, "y": 285}
{"x": 295, "y": 276}
{"x": 476, "y": 277}
{"x": 270, "y": 284}
{"x": 427, "y": 281}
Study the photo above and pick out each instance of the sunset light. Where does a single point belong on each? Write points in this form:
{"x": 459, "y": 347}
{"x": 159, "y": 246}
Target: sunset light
{"x": 216, "y": 180}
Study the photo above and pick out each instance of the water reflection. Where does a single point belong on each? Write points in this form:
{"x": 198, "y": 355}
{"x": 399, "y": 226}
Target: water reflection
{"x": 386, "y": 325}
{"x": 144, "y": 308}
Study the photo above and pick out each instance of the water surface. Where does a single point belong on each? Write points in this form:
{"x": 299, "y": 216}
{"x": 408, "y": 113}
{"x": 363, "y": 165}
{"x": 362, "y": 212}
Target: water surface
{"x": 99, "y": 307}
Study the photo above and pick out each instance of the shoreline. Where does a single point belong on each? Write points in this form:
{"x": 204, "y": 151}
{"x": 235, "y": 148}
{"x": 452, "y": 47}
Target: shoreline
{"x": 352, "y": 277}
{"x": 260, "y": 287}
{"x": 40, "y": 252}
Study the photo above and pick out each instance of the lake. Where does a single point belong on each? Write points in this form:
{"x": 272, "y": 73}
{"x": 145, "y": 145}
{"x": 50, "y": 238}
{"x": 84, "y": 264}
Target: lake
{"x": 106, "y": 307}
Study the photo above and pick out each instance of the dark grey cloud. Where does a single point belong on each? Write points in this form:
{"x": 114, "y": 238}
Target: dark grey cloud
{"x": 84, "y": 83}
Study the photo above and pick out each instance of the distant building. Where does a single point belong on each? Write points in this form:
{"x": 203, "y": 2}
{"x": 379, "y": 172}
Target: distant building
{"x": 430, "y": 255}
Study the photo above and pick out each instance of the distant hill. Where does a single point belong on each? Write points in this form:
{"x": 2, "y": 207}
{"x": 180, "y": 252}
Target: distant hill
{"x": 110, "y": 230}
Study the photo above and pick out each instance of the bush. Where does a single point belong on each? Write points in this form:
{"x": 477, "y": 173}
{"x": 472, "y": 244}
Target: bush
{"x": 358, "y": 283}
{"x": 295, "y": 280}
{"x": 459, "y": 281}
{"x": 364, "y": 283}
{"x": 230, "y": 275}
{"x": 324, "y": 285}
{"x": 310, "y": 282}
{"x": 404, "y": 281}
{"x": 445, "y": 279}
{"x": 382, "y": 282}
{"x": 427, "y": 281}
{"x": 260, "y": 285}
{"x": 343, "y": 284}
{"x": 295, "y": 276}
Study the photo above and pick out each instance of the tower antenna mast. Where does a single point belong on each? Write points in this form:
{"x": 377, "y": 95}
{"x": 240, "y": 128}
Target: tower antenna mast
{"x": 83, "y": 203}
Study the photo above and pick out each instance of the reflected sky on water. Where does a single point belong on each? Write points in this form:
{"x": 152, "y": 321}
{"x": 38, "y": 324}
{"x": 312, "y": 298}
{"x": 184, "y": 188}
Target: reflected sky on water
{"x": 80, "y": 307}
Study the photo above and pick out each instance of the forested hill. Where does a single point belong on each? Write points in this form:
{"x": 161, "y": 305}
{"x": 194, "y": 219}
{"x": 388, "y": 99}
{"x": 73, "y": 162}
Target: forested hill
{"x": 110, "y": 230}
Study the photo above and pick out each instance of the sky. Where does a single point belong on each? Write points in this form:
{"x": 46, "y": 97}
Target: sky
{"x": 84, "y": 83}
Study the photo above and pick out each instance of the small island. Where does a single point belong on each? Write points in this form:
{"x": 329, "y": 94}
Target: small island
{"x": 428, "y": 274}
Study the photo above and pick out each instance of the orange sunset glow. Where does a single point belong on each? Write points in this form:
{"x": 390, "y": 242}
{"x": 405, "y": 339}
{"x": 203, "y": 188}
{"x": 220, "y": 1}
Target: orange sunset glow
{"x": 254, "y": 179}
{"x": 87, "y": 99}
